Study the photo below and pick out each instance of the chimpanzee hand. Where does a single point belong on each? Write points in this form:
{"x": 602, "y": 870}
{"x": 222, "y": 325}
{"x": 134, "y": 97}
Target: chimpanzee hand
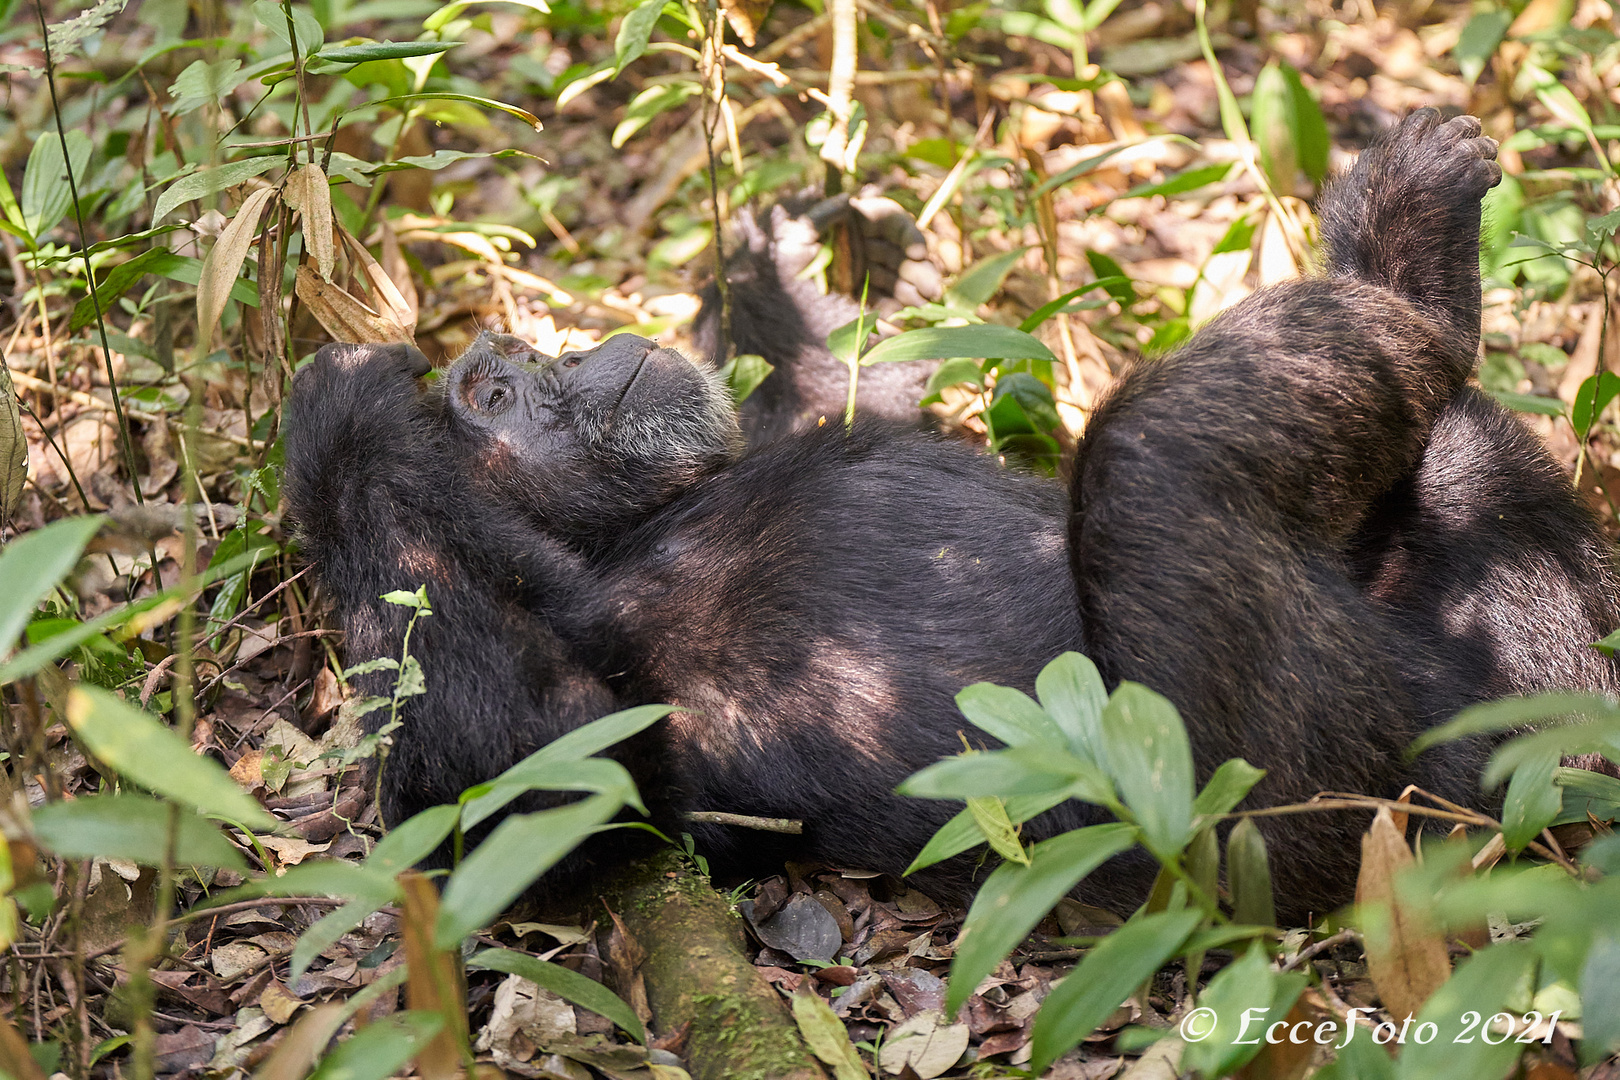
{"x": 884, "y": 246}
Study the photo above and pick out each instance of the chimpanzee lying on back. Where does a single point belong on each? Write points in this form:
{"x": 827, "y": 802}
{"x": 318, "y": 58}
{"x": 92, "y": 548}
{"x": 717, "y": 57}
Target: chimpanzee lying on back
{"x": 1302, "y": 527}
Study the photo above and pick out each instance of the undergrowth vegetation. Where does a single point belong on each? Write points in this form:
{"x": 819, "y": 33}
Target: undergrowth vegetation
{"x": 196, "y": 196}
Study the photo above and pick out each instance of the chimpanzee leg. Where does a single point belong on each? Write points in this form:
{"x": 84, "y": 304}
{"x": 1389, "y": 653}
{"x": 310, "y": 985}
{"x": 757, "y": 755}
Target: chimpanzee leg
{"x": 1217, "y": 489}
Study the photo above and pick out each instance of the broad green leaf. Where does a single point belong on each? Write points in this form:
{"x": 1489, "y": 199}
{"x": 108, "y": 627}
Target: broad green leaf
{"x": 412, "y": 840}
{"x": 1568, "y": 740}
{"x": 1035, "y": 402}
{"x": 1509, "y": 713}
{"x": 36, "y": 657}
{"x": 1120, "y": 963}
{"x": 983, "y": 341}
{"x": 326, "y": 932}
{"x": 206, "y": 182}
{"x": 568, "y": 985}
{"x": 1006, "y": 773}
{"x": 1246, "y": 996}
{"x": 381, "y": 1048}
{"x": 46, "y": 196}
{"x": 1482, "y": 985}
{"x": 744, "y": 373}
{"x": 35, "y": 563}
{"x": 1107, "y": 269}
{"x": 979, "y": 282}
{"x": 577, "y": 745}
{"x": 1288, "y": 127}
{"x": 1145, "y": 750}
{"x": 634, "y": 33}
{"x": 1532, "y": 801}
{"x": 846, "y": 342}
{"x": 133, "y": 827}
{"x": 1231, "y": 782}
{"x": 1008, "y": 714}
{"x": 953, "y": 372}
{"x": 1600, "y": 997}
{"x": 989, "y": 814}
{"x": 601, "y": 775}
{"x": 1014, "y": 898}
{"x": 1188, "y": 180}
{"x": 1591, "y": 399}
{"x": 1528, "y": 403}
{"x": 273, "y": 18}
{"x": 1360, "y": 1059}
{"x": 962, "y": 832}
{"x": 141, "y": 747}
{"x": 1073, "y": 695}
{"x": 1478, "y": 41}
{"x": 203, "y": 82}
{"x": 161, "y": 262}
{"x": 1587, "y": 792}
{"x": 317, "y": 877}
{"x": 521, "y": 848}
{"x": 650, "y": 104}
{"x": 1238, "y": 236}
{"x": 1248, "y": 874}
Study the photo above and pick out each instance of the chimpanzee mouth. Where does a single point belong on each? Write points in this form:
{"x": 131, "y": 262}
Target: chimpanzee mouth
{"x": 625, "y": 391}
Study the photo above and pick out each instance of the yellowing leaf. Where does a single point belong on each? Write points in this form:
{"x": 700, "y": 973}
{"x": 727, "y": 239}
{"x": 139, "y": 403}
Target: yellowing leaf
{"x": 990, "y": 815}
{"x": 310, "y": 195}
{"x": 824, "y": 1034}
{"x": 224, "y": 262}
{"x": 138, "y": 745}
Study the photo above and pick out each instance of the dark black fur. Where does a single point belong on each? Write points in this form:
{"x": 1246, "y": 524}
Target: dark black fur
{"x": 1301, "y": 527}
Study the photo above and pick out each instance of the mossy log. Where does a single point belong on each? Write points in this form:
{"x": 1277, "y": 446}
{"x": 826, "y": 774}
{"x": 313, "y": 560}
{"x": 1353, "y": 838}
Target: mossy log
{"x": 696, "y": 972}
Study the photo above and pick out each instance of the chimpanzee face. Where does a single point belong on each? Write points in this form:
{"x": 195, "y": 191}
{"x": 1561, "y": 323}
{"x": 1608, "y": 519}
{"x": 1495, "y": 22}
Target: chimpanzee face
{"x": 585, "y": 439}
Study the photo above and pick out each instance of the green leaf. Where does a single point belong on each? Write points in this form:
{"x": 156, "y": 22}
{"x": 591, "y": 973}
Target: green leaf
{"x": 46, "y": 196}
{"x": 1231, "y": 782}
{"x": 1014, "y": 898}
{"x": 1529, "y": 403}
{"x": 1478, "y": 41}
{"x": 1238, "y": 236}
{"x": 846, "y": 342}
{"x": 1053, "y": 307}
{"x": 1036, "y": 406}
{"x": 1360, "y": 1059}
{"x": 984, "y": 340}
{"x": 1591, "y": 399}
{"x": 1566, "y": 740}
{"x": 1515, "y": 712}
{"x": 744, "y": 373}
{"x": 35, "y": 563}
{"x": 1120, "y": 963}
{"x": 203, "y": 82}
{"x": 1288, "y": 127}
{"x": 133, "y": 827}
{"x": 1587, "y": 792}
{"x": 1108, "y": 270}
{"x": 979, "y": 282}
{"x": 521, "y": 848}
{"x": 274, "y": 19}
{"x": 634, "y": 33}
{"x": 206, "y": 182}
{"x": 326, "y": 932}
{"x": 826, "y": 1037}
{"x": 954, "y": 372}
{"x": 1008, "y": 714}
{"x": 568, "y": 985}
{"x": 962, "y": 832}
{"x": 1482, "y": 985}
{"x": 381, "y": 1048}
{"x": 1246, "y": 997}
{"x": 1025, "y": 770}
{"x": 1075, "y": 171}
{"x": 601, "y": 775}
{"x": 141, "y": 747}
{"x": 1073, "y": 695}
{"x": 413, "y": 840}
{"x": 320, "y": 877}
{"x": 163, "y": 263}
{"x": 1145, "y": 750}
{"x": 989, "y": 813}
{"x": 382, "y": 50}
{"x": 1187, "y": 180}
{"x": 577, "y": 745}
{"x": 1532, "y": 801}
{"x": 1600, "y": 998}
{"x": 648, "y": 105}
{"x": 1248, "y": 873}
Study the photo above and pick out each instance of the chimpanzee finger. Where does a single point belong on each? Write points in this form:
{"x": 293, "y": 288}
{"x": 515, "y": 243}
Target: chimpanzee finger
{"x": 924, "y": 277}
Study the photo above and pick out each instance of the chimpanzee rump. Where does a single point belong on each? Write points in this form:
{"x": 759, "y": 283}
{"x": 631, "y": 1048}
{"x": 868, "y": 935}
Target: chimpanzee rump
{"x": 1302, "y": 528}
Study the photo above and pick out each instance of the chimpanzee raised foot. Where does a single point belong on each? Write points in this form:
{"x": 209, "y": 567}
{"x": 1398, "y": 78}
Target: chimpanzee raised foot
{"x": 1301, "y": 527}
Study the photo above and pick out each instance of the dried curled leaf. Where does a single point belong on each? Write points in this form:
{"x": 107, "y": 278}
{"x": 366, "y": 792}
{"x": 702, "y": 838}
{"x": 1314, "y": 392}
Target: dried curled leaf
{"x": 343, "y": 316}
{"x": 310, "y": 195}
{"x": 13, "y": 448}
{"x": 1406, "y": 958}
{"x": 224, "y": 262}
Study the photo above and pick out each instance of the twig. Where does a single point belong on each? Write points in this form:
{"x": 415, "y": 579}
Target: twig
{"x": 746, "y": 821}
{"x": 1341, "y": 938}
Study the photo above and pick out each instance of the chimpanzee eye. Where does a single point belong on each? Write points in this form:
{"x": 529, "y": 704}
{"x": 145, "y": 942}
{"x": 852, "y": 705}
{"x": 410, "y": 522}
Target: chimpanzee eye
{"x": 571, "y": 360}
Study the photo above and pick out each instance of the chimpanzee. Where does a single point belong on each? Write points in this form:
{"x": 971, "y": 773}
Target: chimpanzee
{"x": 1302, "y": 527}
